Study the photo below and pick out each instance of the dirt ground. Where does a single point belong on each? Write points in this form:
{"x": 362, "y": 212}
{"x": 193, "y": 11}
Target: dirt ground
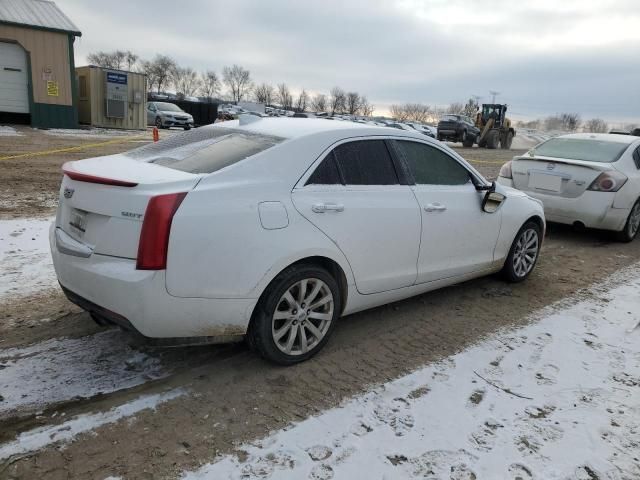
{"x": 230, "y": 396}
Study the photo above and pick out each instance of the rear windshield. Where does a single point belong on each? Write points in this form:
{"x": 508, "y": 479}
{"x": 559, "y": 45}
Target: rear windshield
{"x": 587, "y": 149}
{"x": 204, "y": 150}
{"x": 449, "y": 118}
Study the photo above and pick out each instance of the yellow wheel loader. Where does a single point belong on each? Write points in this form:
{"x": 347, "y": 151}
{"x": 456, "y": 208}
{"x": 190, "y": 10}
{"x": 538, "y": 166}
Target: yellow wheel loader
{"x": 495, "y": 127}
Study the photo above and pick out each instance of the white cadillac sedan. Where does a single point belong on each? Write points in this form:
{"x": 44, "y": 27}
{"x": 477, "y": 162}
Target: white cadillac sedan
{"x": 588, "y": 180}
{"x": 271, "y": 229}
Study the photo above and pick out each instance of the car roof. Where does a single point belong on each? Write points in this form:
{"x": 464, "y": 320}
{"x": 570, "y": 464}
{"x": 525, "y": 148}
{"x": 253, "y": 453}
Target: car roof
{"x": 290, "y": 127}
{"x": 608, "y": 137}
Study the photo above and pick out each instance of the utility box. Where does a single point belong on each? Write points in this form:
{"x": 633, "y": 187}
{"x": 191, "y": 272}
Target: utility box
{"x": 111, "y": 98}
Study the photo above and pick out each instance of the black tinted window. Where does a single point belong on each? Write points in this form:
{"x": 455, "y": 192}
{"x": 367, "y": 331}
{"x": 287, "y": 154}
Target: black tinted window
{"x": 431, "y": 166}
{"x": 636, "y": 157}
{"x": 326, "y": 173}
{"x": 365, "y": 162}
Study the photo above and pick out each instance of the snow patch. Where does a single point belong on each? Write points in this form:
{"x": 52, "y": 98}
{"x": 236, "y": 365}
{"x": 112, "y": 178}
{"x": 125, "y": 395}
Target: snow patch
{"x": 8, "y": 131}
{"x": 38, "y": 438}
{"x": 64, "y": 369}
{"x": 557, "y": 399}
{"x": 25, "y": 260}
{"x": 91, "y": 132}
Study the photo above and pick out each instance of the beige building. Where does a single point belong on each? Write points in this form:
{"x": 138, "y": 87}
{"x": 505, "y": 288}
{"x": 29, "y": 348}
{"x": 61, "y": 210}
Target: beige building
{"x": 37, "y": 71}
{"x": 111, "y": 98}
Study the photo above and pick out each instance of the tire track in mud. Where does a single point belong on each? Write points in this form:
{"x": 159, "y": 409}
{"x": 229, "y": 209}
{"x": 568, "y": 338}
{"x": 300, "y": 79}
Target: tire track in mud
{"x": 240, "y": 397}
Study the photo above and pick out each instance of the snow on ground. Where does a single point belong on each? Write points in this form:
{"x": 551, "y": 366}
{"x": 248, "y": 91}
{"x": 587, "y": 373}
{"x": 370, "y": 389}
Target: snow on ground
{"x": 25, "y": 261}
{"x": 559, "y": 399}
{"x": 38, "y": 438}
{"x": 92, "y": 132}
{"x": 8, "y": 131}
{"x": 64, "y": 369}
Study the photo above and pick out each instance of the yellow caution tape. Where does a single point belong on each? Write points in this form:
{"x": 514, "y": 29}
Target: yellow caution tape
{"x": 71, "y": 149}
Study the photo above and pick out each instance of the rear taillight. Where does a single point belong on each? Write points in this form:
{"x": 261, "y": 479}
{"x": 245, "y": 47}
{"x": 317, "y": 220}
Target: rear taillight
{"x": 505, "y": 170}
{"x": 156, "y": 227}
{"x": 83, "y": 177}
{"x": 610, "y": 181}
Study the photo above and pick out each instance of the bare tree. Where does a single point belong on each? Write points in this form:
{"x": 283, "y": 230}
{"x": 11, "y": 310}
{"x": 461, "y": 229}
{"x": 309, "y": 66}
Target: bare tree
{"x": 414, "y": 112}
{"x": 471, "y": 108}
{"x": 352, "y": 102}
{"x": 159, "y": 71}
{"x": 456, "y": 108}
{"x": 553, "y": 122}
{"x": 365, "y": 108}
{"x": 398, "y": 112}
{"x": 131, "y": 59}
{"x": 596, "y": 125}
{"x": 209, "y": 84}
{"x": 301, "y": 102}
{"x": 283, "y": 96}
{"x": 264, "y": 93}
{"x": 319, "y": 103}
{"x": 186, "y": 81}
{"x": 570, "y": 121}
{"x": 337, "y": 100}
{"x": 238, "y": 80}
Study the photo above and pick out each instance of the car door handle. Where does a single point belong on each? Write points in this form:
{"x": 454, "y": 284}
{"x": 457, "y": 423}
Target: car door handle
{"x": 434, "y": 207}
{"x": 327, "y": 207}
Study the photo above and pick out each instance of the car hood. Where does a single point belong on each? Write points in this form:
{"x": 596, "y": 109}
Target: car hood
{"x": 171, "y": 112}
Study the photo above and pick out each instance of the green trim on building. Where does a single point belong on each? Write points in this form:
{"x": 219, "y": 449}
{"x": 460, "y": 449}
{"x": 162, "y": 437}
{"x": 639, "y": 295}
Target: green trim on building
{"x": 46, "y": 115}
{"x": 37, "y": 27}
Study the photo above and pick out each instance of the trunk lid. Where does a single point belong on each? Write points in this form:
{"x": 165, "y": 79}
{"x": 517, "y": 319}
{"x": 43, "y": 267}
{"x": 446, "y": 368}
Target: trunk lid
{"x": 555, "y": 176}
{"x": 103, "y": 201}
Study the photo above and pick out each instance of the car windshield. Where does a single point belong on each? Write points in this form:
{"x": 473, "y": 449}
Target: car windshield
{"x": 168, "y": 107}
{"x": 587, "y": 149}
{"x": 204, "y": 150}
{"x": 449, "y": 118}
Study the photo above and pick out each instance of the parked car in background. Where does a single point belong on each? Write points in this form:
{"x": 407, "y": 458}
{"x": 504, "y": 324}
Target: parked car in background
{"x": 166, "y": 115}
{"x": 273, "y": 228}
{"x": 457, "y": 128}
{"x": 425, "y": 130}
{"x": 585, "y": 179}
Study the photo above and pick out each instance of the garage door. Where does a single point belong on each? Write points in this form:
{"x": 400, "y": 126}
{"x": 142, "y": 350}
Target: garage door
{"x": 14, "y": 93}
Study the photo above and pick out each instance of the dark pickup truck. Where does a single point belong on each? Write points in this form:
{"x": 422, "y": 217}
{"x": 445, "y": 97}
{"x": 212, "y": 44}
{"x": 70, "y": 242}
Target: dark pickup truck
{"x": 458, "y": 128}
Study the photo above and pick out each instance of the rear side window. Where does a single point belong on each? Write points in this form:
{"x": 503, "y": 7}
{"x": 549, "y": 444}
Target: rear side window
{"x": 431, "y": 166}
{"x": 636, "y": 158}
{"x": 326, "y": 173}
{"x": 365, "y": 162}
{"x": 204, "y": 150}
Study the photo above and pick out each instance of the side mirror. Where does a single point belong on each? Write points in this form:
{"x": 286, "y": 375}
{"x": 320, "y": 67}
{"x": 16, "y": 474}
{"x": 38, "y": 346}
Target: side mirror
{"x": 492, "y": 201}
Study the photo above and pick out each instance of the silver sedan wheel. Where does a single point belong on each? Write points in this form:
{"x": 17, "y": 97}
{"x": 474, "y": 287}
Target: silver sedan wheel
{"x": 634, "y": 220}
{"x": 526, "y": 252}
{"x": 303, "y": 316}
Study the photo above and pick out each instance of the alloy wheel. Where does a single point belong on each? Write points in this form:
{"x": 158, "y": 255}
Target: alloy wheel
{"x": 525, "y": 252}
{"x": 302, "y": 317}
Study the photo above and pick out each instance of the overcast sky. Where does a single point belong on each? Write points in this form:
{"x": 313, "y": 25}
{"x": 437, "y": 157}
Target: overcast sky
{"x": 543, "y": 56}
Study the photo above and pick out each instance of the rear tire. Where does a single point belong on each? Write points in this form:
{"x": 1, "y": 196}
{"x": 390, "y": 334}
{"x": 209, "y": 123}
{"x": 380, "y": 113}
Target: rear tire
{"x": 286, "y": 327}
{"x": 632, "y": 226}
{"x": 523, "y": 254}
{"x": 463, "y": 137}
{"x": 507, "y": 141}
{"x": 493, "y": 138}
{"x": 468, "y": 143}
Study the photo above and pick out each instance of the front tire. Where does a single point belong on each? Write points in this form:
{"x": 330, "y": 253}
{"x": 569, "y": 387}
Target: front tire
{"x": 523, "y": 254}
{"x": 631, "y": 228}
{"x": 295, "y": 315}
{"x": 468, "y": 142}
{"x": 158, "y": 122}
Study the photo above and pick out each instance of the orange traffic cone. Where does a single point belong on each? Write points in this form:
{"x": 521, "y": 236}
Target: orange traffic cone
{"x": 156, "y": 135}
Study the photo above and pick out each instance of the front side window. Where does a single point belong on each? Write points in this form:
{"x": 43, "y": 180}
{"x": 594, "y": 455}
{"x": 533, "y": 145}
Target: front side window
{"x": 365, "y": 162}
{"x": 431, "y": 166}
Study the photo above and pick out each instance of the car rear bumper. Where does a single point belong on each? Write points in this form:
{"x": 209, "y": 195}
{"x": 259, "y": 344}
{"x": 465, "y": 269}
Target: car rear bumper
{"x": 112, "y": 289}
{"x": 592, "y": 209}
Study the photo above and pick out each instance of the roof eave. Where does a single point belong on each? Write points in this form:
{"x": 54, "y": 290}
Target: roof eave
{"x": 75, "y": 33}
